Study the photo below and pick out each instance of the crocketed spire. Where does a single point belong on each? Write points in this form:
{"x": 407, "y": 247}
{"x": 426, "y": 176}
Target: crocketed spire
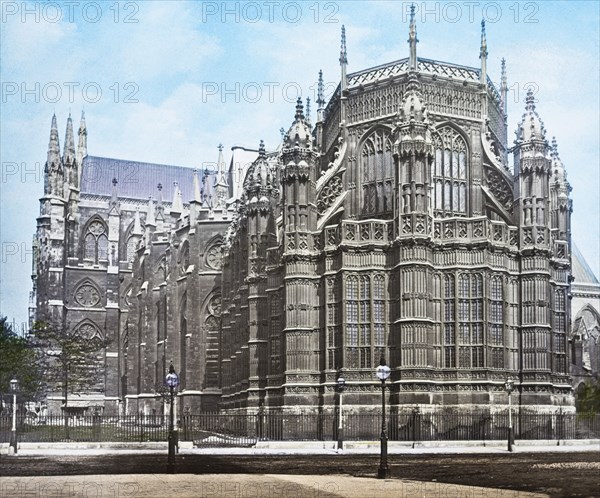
{"x": 299, "y": 134}
{"x": 531, "y": 127}
{"x": 259, "y": 176}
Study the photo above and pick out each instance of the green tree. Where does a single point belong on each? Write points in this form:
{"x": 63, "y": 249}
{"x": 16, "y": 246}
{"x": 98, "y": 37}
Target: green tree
{"x": 588, "y": 397}
{"x": 19, "y": 360}
{"x": 70, "y": 358}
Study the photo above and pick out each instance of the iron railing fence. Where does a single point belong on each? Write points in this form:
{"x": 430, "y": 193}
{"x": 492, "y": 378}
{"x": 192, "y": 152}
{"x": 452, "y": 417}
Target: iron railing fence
{"x": 225, "y": 429}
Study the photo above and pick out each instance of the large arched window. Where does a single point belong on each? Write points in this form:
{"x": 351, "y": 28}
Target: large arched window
{"x": 133, "y": 242}
{"x": 275, "y": 337}
{"x": 449, "y": 174}
{"x": 470, "y": 321}
{"x": 377, "y": 166}
{"x": 495, "y": 325}
{"x": 95, "y": 242}
{"x": 365, "y": 315}
{"x": 449, "y": 325}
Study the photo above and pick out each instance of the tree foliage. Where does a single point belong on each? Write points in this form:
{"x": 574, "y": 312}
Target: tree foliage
{"x": 70, "y": 359}
{"x": 588, "y": 397}
{"x": 18, "y": 360}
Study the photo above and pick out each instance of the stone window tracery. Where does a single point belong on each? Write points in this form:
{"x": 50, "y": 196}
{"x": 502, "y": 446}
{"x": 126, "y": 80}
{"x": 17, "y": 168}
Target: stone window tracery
{"x": 275, "y": 339}
{"x": 95, "y": 242}
{"x": 449, "y": 325}
{"x": 365, "y": 317}
{"x": 495, "y": 325}
{"x": 449, "y": 174}
{"x": 87, "y": 295}
{"x": 88, "y": 331}
{"x": 184, "y": 257}
{"x": 213, "y": 257}
{"x": 377, "y": 166}
{"x": 470, "y": 321}
{"x": 133, "y": 242}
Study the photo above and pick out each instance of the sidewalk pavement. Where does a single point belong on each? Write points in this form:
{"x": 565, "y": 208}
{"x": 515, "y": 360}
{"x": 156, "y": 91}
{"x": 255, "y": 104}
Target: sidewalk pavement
{"x": 308, "y": 448}
{"x": 242, "y": 486}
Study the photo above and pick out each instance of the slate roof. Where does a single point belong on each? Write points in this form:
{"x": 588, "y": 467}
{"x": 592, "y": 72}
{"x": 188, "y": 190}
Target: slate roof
{"x": 137, "y": 180}
{"x": 581, "y": 271}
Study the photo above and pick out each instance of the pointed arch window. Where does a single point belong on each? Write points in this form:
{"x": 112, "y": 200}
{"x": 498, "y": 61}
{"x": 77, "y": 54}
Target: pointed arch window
{"x": 377, "y": 166}
{"x": 449, "y": 174}
{"x": 495, "y": 323}
{"x": 275, "y": 339}
{"x": 470, "y": 321}
{"x": 365, "y": 317}
{"x": 133, "y": 242}
{"x": 449, "y": 325}
{"x": 95, "y": 242}
{"x": 184, "y": 257}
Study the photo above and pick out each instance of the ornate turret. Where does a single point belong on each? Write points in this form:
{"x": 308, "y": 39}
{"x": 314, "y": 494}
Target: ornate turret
{"x": 299, "y": 135}
{"x": 532, "y": 175}
{"x": 298, "y": 179}
{"x": 414, "y": 148}
{"x": 560, "y": 203}
{"x": 531, "y": 127}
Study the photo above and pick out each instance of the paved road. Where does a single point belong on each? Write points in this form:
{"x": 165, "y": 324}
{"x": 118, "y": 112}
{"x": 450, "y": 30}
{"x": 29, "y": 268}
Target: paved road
{"x": 556, "y": 474}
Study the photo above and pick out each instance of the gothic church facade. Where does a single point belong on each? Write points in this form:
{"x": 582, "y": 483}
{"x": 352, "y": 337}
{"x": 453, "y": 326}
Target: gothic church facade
{"x": 392, "y": 228}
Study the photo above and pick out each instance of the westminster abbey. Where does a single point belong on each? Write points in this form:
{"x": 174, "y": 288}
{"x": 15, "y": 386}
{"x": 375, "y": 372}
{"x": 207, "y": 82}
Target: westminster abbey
{"x": 393, "y": 226}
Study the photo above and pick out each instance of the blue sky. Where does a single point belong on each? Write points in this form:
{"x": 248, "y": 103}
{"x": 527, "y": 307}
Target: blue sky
{"x": 167, "y": 82}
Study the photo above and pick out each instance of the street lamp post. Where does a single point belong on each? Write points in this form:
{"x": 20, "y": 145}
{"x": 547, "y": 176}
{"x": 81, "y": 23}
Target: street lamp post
{"x": 383, "y": 372}
{"x": 172, "y": 381}
{"x": 341, "y": 384}
{"x": 14, "y": 386}
{"x": 509, "y": 386}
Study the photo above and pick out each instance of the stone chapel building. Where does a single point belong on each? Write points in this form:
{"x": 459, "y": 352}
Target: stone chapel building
{"x": 393, "y": 226}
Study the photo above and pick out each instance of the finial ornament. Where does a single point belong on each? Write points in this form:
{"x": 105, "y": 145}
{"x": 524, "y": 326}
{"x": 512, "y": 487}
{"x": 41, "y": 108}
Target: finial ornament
{"x": 159, "y": 187}
{"x": 261, "y": 149}
{"x": 114, "y": 182}
{"x": 220, "y": 147}
{"x": 530, "y": 100}
{"x": 554, "y": 148}
{"x": 412, "y": 40}
{"x": 320, "y": 99}
{"x": 343, "y": 51}
{"x": 299, "y": 109}
{"x": 483, "y": 50}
